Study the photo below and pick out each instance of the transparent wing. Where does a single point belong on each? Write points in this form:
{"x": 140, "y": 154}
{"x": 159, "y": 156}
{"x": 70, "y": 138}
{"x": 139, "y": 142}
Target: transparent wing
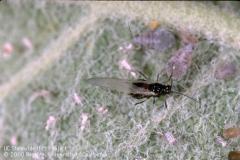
{"x": 120, "y": 85}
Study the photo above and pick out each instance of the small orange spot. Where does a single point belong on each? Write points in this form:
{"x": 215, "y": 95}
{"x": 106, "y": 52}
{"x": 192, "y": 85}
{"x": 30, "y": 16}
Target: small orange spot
{"x": 154, "y": 24}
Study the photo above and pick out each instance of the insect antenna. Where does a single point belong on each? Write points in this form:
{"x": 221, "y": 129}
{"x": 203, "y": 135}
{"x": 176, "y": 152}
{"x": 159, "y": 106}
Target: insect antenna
{"x": 132, "y": 37}
{"x": 186, "y": 96}
{"x": 131, "y": 34}
{"x": 142, "y": 74}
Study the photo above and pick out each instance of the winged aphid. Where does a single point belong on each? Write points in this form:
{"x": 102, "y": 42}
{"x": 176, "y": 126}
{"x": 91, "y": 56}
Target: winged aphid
{"x": 138, "y": 89}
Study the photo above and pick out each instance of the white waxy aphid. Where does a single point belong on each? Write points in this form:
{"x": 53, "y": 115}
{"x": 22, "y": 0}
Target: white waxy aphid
{"x": 27, "y": 43}
{"x": 133, "y": 74}
{"x": 170, "y": 138}
{"x": 84, "y": 120}
{"x": 77, "y": 99}
{"x": 13, "y": 140}
{"x": 102, "y": 110}
{"x": 179, "y": 63}
{"x": 7, "y": 49}
{"x": 221, "y": 141}
{"x": 160, "y": 40}
{"x": 123, "y": 64}
{"x": 51, "y": 122}
{"x": 126, "y": 47}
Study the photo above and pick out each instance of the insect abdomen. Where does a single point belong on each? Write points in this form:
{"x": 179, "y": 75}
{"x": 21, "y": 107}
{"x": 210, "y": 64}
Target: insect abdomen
{"x": 141, "y": 85}
{"x": 138, "y": 96}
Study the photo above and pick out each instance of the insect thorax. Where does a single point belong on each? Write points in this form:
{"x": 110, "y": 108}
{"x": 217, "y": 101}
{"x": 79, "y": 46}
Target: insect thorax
{"x": 160, "y": 89}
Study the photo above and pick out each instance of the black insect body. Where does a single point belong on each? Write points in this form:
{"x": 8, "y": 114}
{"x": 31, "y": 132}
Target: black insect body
{"x": 150, "y": 90}
{"x": 160, "y": 89}
{"x": 139, "y": 89}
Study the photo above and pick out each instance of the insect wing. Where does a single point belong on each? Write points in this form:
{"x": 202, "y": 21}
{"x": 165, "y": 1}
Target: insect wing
{"x": 120, "y": 85}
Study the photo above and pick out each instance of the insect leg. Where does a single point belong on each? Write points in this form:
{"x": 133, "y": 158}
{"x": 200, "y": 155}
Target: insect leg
{"x": 154, "y": 100}
{"x": 158, "y": 77}
{"x": 140, "y": 102}
{"x": 142, "y": 74}
{"x": 170, "y": 78}
{"x": 165, "y": 103}
{"x": 130, "y": 31}
{"x": 200, "y": 102}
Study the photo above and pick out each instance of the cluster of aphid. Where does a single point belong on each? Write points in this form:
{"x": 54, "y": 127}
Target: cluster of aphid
{"x": 161, "y": 39}
{"x": 158, "y": 39}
